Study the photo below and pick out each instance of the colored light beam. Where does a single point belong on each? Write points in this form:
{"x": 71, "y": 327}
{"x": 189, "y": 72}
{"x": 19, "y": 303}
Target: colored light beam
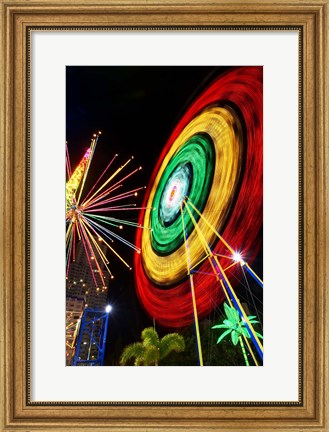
{"x": 88, "y": 213}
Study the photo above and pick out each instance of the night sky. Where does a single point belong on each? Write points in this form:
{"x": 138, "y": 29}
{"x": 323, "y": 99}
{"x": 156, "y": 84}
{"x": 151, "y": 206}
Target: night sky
{"x": 136, "y": 109}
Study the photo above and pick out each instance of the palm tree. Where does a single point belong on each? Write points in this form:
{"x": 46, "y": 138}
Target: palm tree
{"x": 236, "y": 327}
{"x": 152, "y": 349}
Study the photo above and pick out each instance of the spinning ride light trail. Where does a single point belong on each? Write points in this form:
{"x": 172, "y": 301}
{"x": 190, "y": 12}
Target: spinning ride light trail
{"x": 213, "y": 156}
{"x": 91, "y": 219}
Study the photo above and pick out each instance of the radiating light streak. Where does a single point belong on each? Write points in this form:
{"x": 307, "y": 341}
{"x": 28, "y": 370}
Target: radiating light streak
{"x": 100, "y": 252}
{"x": 202, "y": 239}
{"x": 250, "y": 349}
{"x": 68, "y": 163}
{"x": 103, "y": 195}
{"x": 113, "y": 234}
{"x": 89, "y": 227}
{"x": 223, "y": 256}
{"x": 86, "y": 223}
{"x": 210, "y": 274}
{"x": 240, "y": 309}
{"x": 252, "y": 297}
{"x": 230, "y": 266}
{"x": 226, "y": 293}
{"x": 216, "y": 273}
{"x": 195, "y": 310}
{"x": 127, "y": 207}
{"x": 115, "y": 198}
{"x": 111, "y": 189}
{"x": 107, "y": 181}
{"x": 115, "y": 221}
{"x": 250, "y": 270}
{"x": 74, "y": 244}
{"x": 107, "y": 233}
{"x": 68, "y": 253}
{"x": 102, "y": 229}
{"x": 211, "y": 227}
{"x": 84, "y": 240}
{"x": 231, "y": 304}
{"x": 199, "y": 262}
{"x": 101, "y": 176}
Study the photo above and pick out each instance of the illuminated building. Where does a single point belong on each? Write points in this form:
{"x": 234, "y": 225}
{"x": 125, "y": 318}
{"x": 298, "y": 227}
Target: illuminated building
{"x": 81, "y": 292}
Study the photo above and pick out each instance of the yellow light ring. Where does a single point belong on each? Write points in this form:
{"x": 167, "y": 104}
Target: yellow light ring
{"x": 224, "y": 128}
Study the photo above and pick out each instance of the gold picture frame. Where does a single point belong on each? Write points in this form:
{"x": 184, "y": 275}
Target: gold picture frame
{"x": 17, "y": 411}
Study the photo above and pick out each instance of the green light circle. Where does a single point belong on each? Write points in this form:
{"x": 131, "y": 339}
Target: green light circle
{"x": 199, "y": 153}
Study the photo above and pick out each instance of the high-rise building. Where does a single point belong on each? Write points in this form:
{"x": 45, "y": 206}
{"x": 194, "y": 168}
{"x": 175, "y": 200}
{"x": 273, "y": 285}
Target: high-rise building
{"x": 74, "y": 310}
{"x": 84, "y": 288}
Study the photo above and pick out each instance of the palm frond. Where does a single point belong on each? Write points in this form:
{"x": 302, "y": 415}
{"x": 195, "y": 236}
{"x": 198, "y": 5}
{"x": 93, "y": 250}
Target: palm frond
{"x": 235, "y": 337}
{"x": 150, "y": 337}
{"x": 220, "y": 326}
{"x": 152, "y": 349}
{"x": 228, "y": 312}
{"x": 231, "y": 313}
{"x": 235, "y": 315}
{"x": 253, "y": 322}
{"x": 171, "y": 342}
{"x": 151, "y": 356}
{"x": 135, "y": 350}
{"x": 228, "y": 323}
{"x": 221, "y": 337}
{"x": 245, "y": 332}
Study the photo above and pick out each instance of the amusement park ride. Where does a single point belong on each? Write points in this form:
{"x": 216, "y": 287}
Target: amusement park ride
{"x": 89, "y": 222}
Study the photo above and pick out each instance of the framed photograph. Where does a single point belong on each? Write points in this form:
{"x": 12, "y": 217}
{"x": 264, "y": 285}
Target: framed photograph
{"x": 186, "y": 144}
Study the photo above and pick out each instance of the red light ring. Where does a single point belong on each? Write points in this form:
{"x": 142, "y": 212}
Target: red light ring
{"x": 172, "y": 307}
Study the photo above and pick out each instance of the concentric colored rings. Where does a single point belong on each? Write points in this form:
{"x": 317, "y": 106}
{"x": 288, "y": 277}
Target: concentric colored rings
{"x": 189, "y": 171}
{"x": 214, "y": 156}
{"x": 216, "y": 163}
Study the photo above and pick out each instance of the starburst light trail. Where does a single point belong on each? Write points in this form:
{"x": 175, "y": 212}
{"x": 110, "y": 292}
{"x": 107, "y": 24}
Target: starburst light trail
{"x": 91, "y": 216}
